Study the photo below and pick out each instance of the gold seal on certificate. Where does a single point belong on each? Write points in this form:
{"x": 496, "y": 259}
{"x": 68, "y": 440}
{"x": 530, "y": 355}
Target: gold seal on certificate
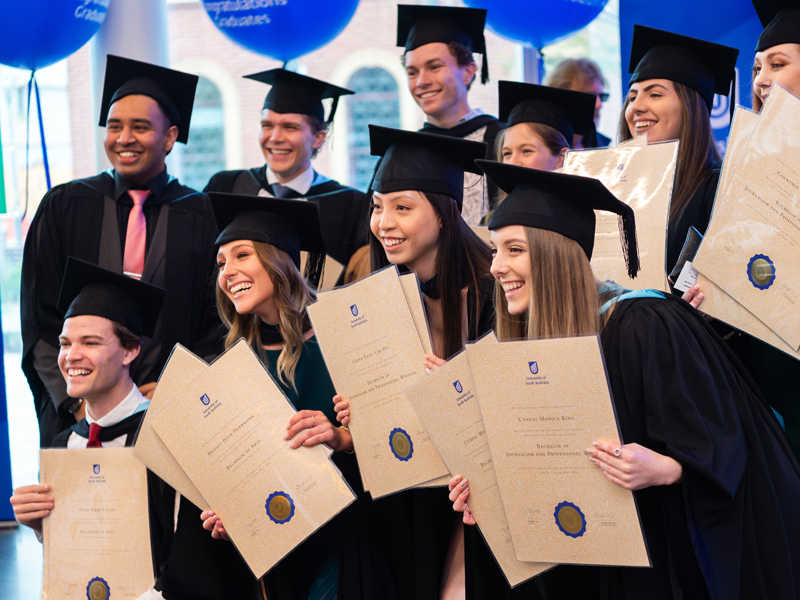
{"x": 401, "y": 444}
{"x": 280, "y": 507}
{"x": 97, "y": 589}
{"x": 761, "y": 271}
{"x": 570, "y": 519}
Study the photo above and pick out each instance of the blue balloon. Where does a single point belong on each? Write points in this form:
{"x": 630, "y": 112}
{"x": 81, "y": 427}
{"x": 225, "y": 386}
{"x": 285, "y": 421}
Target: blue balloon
{"x": 38, "y": 33}
{"x": 281, "y": 29}
{"x": 538, "y": 23}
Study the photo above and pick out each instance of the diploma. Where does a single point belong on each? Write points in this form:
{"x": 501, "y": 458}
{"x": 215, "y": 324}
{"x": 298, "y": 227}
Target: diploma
{"x": 97, "y": 538}
{"x": 744, "y": 121}
{"x": 752, "y": 246}
{"x": 373, "y": 352}
{"x": 543, "y": 402}
{"x": 225, "y": 429}
{"x": 445, "y": 403}
{"x": 182, "y": 367}
{"x": 641, "y": 176}
{"x": 413, "y": 296}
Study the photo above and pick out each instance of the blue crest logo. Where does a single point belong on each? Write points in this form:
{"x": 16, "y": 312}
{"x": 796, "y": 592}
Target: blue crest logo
{"x": 458, "y": 386}
{"x": 96, "y": 469}
{"x": 205, "y": 399}
{"x": 354, "y": 310}
{"x": 620, "y": 167}
{"x": 533, "y": 366}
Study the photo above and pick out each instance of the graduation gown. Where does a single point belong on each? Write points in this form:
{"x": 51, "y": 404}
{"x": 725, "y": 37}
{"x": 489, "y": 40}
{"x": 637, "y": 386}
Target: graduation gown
{"x": 483, "y": 128}
{"x": 343, "y": 215}
{"x": 87, "y": 219}
{"x": 697, "y": 214}
{"x": 187, "y": 562}
{"x": 732, "y": 521}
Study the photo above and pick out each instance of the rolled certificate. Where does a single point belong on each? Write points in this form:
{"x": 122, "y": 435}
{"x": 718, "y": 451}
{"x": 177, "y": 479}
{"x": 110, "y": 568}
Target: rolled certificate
{"x": 97, "y": 538}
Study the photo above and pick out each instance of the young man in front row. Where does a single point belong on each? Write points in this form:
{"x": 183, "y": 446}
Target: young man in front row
{"x": 107, "y": 314}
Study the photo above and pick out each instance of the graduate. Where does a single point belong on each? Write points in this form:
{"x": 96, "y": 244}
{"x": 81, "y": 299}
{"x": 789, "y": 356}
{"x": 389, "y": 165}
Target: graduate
{"x": 777, "y": 57}
{"x": 293, "y": 129}
{"x": 438, "y": 44}
{"x": 671, "y": 94}
{"x": 715, "y": 481}
{"x": 107, "y": 315}
{"x": 416, "y": 225}
{"x": 542, "y": 123}
{"x": 262, "y": 296}
{"x": 134, "y": 218}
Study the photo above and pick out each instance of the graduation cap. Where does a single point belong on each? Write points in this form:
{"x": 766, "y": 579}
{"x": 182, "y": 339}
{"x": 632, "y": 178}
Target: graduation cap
{"x": 423, "y": 162}
{"x": 561, "y": 203}
{"x": 91, "y": 290}
{"x": 420, "y": 25}
{"x": 289, "y": 225}
{"x": 295, "y": 93}
{"x": 567, "y": 111}
{"x": 173, "y": 90}
{"x": 705, "y": 67}
{"x": 781, "y": 22}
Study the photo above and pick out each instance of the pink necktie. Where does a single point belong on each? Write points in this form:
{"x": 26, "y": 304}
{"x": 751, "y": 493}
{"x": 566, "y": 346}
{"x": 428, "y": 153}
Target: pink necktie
{"x": 136, "y": 237}
{"x": 94, "y": 436}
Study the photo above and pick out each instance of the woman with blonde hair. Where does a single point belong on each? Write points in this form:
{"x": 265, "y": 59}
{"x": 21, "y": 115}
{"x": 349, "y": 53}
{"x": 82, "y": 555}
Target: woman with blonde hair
{"x": 262, "y": 297}
{"x": 674, "y": 79}
{"x": 715, "y": 481}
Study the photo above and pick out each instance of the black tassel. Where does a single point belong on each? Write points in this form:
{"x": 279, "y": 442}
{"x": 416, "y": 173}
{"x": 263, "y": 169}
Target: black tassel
{"x": 333, "y": 109}
{"x": 315, "y": 266}
{"x": 630, "y": 245}
{"x": 484, "y": 68}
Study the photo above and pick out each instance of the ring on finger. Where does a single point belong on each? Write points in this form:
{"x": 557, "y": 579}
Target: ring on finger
{"x": 618, "y": 452}
{"x": 313, "y": 420}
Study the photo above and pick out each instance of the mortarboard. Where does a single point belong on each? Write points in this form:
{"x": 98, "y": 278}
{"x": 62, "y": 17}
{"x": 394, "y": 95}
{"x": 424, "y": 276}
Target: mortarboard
{"x": 567, "y": 111}
{"x": 91, "y": 290}
{"x": 295, "y": 93}
{"x": 561, "y": 203}
{"x": 420, "y": 25}
{"x": 289, "y": 225}
{"x": 705, "y": 67}
{"x": 781, "y": 22}
{"x": 173, "y": 90}
{"x": 423, "y": 162}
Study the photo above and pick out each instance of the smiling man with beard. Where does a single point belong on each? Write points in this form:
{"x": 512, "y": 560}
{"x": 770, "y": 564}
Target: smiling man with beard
{"x": 134, "y": 219}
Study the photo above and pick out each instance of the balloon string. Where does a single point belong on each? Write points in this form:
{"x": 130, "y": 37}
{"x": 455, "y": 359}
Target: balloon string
{"x": 27, "y": 149}
{"x": 41, "y": 133}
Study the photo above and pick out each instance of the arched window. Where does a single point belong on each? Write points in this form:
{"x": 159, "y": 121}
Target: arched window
{"x": 204, "y": 154}
{"x": 376, "y": 102}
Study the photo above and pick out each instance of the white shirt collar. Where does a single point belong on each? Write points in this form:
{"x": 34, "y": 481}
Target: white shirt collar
{"x": 121, "y": 411}
{"x": 300, "y": 184}
{"x": 475, "y": 112}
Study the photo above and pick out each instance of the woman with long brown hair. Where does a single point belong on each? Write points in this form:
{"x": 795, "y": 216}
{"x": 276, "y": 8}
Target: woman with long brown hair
{"x": 671, "y": 94}
{"x": 262, "y": 297}
{"x": 416, "y": 224}
{"x": 715, "y": 481}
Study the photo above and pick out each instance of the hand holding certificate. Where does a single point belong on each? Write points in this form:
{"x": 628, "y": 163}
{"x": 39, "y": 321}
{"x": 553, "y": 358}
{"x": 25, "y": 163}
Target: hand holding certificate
{"x": 373, "y": 352}
{"x": 543, "y": 402}
{"x": 446, "y": 404}
{"x": 226, "y": 431}
{"x": 96, "y": 540}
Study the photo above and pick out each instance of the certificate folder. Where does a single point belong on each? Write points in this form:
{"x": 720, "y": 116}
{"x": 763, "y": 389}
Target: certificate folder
{"x": 225, "y": 428}
{"x": 542, "y": 403}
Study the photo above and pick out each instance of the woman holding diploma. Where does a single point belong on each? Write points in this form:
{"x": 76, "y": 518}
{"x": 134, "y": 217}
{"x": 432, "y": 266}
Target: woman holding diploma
{"x": 716, "y": 484}
{"x": 262, "y": 296}
{"x": 416, "y": 224}
{"x": 671, "y": 94}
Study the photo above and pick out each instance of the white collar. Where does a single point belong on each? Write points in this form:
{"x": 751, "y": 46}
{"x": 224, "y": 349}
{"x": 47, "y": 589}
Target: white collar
{"x": 121, "y": 411}
{"x": 475, "y": 112}
{"x": 300, "y": 184}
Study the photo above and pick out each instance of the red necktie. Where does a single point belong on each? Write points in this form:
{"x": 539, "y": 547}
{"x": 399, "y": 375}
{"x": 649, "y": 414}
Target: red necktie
{"x": 94, "y": 436}
{"x": 136, "y": 238}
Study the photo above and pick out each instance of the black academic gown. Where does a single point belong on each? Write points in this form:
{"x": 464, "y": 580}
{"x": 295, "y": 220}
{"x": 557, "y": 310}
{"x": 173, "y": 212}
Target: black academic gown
{"x": 188, "y": 564}
{"x": 697, "y": 214}
{"x": 493, "y": 127}
{"x": 410, "y": 532}
{"x": 73, "y": 220}
{"x": 343, "y": 215}
{"x": 732, "y": 522}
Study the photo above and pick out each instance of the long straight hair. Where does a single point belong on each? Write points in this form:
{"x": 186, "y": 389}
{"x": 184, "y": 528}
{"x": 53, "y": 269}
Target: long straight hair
{"x": 292, "y": 295}
{"x": 460, "y": 256}
{"x": 697, "y": 151}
